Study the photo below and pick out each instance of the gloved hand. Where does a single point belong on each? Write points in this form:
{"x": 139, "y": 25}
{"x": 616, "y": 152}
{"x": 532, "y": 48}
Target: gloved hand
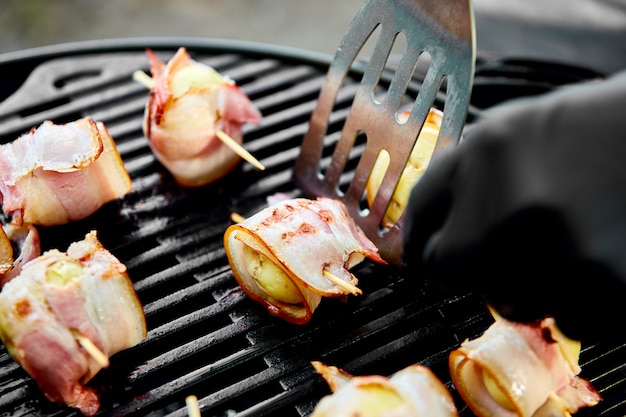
{"x": 530, "y": 210}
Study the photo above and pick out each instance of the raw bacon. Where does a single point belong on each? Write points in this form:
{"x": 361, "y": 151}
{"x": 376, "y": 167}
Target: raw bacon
{"x": 55, "y": 174}
{"x": 301, "y": 241}
{"x": 65, "y": 314}
{"x": 189, "y": 103}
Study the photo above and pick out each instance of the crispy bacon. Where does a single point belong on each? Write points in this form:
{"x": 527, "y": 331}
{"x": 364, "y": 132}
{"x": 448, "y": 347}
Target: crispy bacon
{"x": 414, "y": 391}
{"x": 65, "y": 310}
{"x": 519, "y": 369}
{"x": 55, "y": 174}
{"x": 302, "y": 239}
{"x": 181, "y": 122}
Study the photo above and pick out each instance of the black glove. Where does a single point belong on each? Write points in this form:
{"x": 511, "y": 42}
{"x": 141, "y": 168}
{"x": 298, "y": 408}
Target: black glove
{"x": 530, "y": 210}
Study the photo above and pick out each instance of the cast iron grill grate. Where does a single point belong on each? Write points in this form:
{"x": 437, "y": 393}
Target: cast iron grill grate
{"x": 205, "y": 336}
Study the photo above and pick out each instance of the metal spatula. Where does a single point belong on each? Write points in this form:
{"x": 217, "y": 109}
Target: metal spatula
{"x": 441, "y": 30}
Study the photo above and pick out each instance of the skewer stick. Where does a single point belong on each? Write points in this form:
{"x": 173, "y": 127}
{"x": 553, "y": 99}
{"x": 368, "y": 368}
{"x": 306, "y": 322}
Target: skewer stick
{"x": 236, "y": 217}
{"x": 238, "y": 149}
{"x": 192, "y": 406}
{"x": 493, "y": 312}
{"x": 143, "y": 79}
{"x": 148, "y": 82}
{"x": 354, "y": 290}
{"x": 93, "y": 350}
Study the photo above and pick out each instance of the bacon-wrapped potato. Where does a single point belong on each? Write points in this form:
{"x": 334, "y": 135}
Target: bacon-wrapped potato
{"x": 18, "y": 245}
{"x": 65, "y": 314}
{"x": 414, "y": 169}
{"x": 521, "y": 370}
{"x": 414, "y": 391}
{"x": 190, "y": 104}
{"x": 55, "y": 174}
{"x": 291, "y": 254}
{"x": 6, "y": 253}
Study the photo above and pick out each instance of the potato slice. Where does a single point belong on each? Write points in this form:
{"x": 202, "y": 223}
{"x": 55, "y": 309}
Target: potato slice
{"x": 413, "y": 171}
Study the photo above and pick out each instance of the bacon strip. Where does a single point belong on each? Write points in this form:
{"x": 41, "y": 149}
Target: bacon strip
{"x": 302, "y": 238}
{"x": 43, "y": 316}
{"x": 55, "y": 174}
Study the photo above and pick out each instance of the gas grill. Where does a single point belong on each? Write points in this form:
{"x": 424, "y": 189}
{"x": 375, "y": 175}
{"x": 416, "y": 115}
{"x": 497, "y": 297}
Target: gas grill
{"x": 205, "y": 336}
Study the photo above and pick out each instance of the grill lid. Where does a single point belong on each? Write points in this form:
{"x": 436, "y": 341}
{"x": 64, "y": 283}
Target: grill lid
{"x": 205, "y": 336}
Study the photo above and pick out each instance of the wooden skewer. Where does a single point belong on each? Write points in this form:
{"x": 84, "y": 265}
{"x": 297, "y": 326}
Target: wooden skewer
{"x": 147, "y": 81}
{"x": 93, "y": 350}
{"x": 493, "y": 312}
{"x": 236, "y": 217}
{"x": 354, "y": 290}
{"x": 192, "y": 406}
{"x": 143, "y": 79}
{"x": 238, "y": 149}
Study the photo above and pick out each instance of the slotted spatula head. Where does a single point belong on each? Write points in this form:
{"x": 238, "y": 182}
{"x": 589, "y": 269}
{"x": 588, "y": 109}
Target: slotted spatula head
{"x": 441, "y": 30}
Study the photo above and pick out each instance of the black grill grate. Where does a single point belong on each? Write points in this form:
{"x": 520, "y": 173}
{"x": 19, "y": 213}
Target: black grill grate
{"x": 205, "y": 336}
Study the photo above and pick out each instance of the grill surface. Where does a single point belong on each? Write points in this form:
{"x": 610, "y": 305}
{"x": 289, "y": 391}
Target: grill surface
{"x": 205, "y": 336}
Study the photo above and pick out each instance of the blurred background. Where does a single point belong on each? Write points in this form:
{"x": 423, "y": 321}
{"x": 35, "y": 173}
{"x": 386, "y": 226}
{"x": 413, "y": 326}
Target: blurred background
{"x": 588, "y": 33}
